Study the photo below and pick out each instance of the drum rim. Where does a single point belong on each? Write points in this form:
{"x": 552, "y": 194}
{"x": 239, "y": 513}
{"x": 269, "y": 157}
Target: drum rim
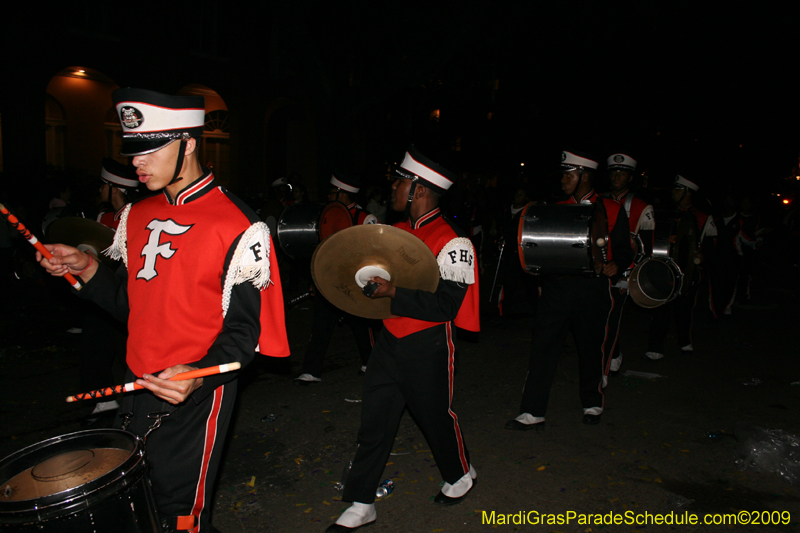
{"x": 86, "y": 495}
{"x": 648, "y": 302}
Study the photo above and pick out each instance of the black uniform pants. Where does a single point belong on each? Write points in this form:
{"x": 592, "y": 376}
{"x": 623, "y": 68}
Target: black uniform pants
{"x": 184, "y": 452}
{"x": 568, "y": 304}
{"x": 415, "y": 371}
{"x": 611, "y": 348}
{"x": 326, "y": 317}
{"x": 682, "y": 308}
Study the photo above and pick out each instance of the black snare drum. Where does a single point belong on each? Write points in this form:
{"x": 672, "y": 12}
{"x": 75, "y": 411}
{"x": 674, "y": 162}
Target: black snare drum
{"x": 303, "y": 226}
{"x": 89, "y": 481}
{"x": 562, "y": 239}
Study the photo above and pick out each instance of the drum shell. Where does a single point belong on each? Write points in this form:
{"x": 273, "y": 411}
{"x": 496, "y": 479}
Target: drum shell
{"x": 555, "y": 239}
{"x": 119, "y": 500}
{"x": 655, "y": 282}
{"x": 303, "y": 226}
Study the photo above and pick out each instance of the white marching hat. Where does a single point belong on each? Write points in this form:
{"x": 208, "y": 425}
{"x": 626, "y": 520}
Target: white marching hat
{"x": 152, "y": 120}
{"x": 683, "y": 183}
{"x": 118, "y": 175}
{"x": 433, "y": 175}
{"x": 346, "y": 183}
{"x": 621, "y": 161}
{"x": 576, "y": 160}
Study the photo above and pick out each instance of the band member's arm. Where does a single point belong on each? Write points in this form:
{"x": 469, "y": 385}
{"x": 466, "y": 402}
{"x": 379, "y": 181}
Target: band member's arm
{"x": 241, "y": 327}
{"x": 439, "y": 306}
{"x": 238, "y": 339}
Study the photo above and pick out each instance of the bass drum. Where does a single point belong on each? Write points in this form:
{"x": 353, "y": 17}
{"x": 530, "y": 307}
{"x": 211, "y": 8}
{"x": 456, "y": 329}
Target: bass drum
{"x": 89, "y": 481}
{"x": 303, "y": 226}
{"x": 562, "y": 239}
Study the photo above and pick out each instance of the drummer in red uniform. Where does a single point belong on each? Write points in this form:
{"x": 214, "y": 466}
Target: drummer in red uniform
{"x": 344, "y": 189}
{"x": 575, "y": 303}
{"x": 412, "y": 362}
{"x": 642, "y": 223}
{"x": 682, "y": 307}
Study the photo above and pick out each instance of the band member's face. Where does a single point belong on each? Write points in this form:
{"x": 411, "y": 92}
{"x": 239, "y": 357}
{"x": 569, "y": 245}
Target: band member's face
{"x": 400, "y": 189}
{"x": 678, "y": 193}
{"x": 156, "y": 169}
{"x": 619, "y": 179}
{"x": 336, "y": 195}
{"x": 570, "y": 179}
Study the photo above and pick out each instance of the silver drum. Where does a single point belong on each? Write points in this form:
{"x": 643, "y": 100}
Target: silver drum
{"x": 562, "y": 239}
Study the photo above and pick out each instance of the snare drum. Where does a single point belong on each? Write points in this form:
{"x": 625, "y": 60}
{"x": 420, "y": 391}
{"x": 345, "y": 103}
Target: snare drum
{"x": 89, "y": 481}
{"x": 562, "y": 239}
{"x": 303, "y": 226}
{"x": 660, "y": 278}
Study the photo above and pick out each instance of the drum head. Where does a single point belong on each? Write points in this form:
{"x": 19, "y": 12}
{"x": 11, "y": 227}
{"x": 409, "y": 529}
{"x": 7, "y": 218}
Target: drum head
{"x": 57, "y": 465}
{"x": 335, "y": 217}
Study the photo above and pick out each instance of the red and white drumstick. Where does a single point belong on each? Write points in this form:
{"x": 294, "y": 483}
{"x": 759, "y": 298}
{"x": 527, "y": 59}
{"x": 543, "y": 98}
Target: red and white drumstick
{"x": 132, "y": 386}
{"x": 19, "y": 226}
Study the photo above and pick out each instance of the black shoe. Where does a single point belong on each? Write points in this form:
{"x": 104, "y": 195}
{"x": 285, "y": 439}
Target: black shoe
{"x": 516, "y": 425}
{"x": 441, "y": 499}
{"x": 591, "y": 420}
{"x": 336, "y": 528}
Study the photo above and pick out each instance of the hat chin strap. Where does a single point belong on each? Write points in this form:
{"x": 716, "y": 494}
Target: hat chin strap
{"x": 410, "y": 198}
{"x": 179, "y": 165}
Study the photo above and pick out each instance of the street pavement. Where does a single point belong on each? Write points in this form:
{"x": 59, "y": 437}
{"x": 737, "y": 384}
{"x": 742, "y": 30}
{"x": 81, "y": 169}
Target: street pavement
{"x": 666, "y": 449}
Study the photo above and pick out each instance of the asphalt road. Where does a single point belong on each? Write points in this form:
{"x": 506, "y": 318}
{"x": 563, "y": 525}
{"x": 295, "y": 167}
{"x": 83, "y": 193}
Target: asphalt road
{"x": 651, "y": 458}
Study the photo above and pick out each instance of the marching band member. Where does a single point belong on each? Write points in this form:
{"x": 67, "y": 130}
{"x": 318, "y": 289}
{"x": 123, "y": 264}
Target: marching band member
{"x": 577, "y": 304}
{"x": 701, "y": 235}
{"x": 412, "y": 362}
{"x": 642, "y": 223}
{"x": 199, "y": 287}
{"x": 343, "y": 189}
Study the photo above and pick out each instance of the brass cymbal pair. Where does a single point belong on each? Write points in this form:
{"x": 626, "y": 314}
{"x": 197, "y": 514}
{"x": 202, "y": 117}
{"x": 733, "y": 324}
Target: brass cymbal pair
{"x": 345, "y": 261}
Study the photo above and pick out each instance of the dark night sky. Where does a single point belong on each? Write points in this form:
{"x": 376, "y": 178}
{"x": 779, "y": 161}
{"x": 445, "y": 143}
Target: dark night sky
{"x": 681, "y": 86}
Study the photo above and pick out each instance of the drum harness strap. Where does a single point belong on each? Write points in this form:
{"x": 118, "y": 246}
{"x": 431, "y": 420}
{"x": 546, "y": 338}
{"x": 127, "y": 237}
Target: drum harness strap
{"x": 169, "y": 524}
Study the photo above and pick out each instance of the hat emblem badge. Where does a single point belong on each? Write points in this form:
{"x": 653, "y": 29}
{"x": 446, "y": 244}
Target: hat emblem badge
{"x": 618, "y": 159}
{"x": 563, "y": 156}
{"x": 131, "y": 117}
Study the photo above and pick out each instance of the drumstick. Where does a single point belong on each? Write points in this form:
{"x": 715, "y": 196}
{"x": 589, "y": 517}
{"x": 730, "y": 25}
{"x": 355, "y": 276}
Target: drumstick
{"x": 19, "y": 226}
{"x": 132, "y": 386}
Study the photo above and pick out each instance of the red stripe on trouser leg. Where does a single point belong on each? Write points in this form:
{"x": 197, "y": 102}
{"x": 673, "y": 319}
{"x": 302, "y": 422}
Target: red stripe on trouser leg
{"x": 210, "y": 440}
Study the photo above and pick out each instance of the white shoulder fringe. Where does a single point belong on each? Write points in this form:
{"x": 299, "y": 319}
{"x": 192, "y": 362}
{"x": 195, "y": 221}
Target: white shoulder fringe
{"x": 119, "y": 248}
{"x": 461, "y": 269}
{"x": 250, "y": 262}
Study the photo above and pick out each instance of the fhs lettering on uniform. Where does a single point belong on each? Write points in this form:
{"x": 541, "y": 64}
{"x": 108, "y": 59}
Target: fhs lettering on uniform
{"x": 155, "y": 247}
{"x": 456, "y": 261}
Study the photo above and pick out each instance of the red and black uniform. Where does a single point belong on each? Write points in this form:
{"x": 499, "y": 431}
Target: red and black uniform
{"x": 110, "y": 218}
{"x": 641, "y": 219}
{"x": 580, "y": 305}
{"x": 327, "y": 316}
{"x": 412, "y": 363}
{"x": 682, "y": 307}
{"x": 199, "y": 286}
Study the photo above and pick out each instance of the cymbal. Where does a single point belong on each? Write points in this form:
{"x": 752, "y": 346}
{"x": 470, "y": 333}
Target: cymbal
{"x": 371, "y": 250}
{"x": 84, "y": 234}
